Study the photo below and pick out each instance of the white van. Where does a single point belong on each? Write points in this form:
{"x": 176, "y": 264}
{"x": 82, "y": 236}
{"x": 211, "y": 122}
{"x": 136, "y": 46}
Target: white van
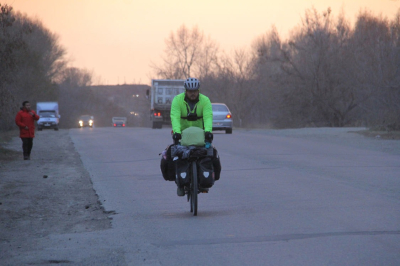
{"x": 49, "y": 116}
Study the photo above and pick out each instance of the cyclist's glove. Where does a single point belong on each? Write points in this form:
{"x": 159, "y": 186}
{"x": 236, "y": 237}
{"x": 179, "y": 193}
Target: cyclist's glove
{"x": 208, "y": 136}
{"x": 176, "y": 137}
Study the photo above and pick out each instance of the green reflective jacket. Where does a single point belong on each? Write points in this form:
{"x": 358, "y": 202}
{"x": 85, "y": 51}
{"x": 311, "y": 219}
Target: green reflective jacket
{"x": 180, "y": 107}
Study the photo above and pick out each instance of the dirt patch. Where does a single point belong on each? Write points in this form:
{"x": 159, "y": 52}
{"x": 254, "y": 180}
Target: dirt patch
{"x": 51, "y": 193}
{"x": 7, "y": 154}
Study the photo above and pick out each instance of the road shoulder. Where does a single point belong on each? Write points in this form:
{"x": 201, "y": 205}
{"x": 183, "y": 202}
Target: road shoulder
{"x": 50, "y": 194}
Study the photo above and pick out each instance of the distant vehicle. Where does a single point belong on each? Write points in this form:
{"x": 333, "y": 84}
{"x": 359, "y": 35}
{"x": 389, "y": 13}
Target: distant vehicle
{"x": 86, "y": 121}
{"x": 119, "y": 121}
{"x": 162, "y": 93}
{"x": 222, "y": 118}
{"x": 49, "y": 115}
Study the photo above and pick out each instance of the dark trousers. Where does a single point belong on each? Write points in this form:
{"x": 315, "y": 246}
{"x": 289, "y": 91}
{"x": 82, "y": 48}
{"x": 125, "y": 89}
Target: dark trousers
{"x": 27, "y": 144}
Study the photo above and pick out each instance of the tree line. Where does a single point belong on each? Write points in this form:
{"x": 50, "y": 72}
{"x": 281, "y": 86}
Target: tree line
{"x": 326, "y": 73}
{"x": 30, "y": 63}
{"x": 33, "y": 67}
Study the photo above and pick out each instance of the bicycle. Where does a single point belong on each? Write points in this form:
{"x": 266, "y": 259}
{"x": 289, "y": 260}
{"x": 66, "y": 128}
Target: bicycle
{"x": 193, "y": 190}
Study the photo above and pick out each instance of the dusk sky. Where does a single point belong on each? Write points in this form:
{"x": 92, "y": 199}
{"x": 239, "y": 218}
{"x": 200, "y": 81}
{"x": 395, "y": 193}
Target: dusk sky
{"x": 118, "y": 39}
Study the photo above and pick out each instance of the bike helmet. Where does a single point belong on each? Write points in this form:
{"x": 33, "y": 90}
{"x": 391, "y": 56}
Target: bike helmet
{"x": 192, "y": 84}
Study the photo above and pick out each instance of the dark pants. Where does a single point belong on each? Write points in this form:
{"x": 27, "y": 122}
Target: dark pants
{"x": 27, "y": 144}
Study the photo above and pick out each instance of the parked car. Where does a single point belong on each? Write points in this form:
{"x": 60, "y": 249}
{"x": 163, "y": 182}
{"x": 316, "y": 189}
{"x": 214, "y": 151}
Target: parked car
{"x": 222, "y": 118}
{"x": 86, "y": 121}
{"x": 119, "y": 121}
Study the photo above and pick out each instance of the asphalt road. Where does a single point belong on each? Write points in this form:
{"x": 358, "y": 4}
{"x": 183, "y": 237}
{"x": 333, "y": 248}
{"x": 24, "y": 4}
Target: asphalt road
{"x": 283, "y": 199}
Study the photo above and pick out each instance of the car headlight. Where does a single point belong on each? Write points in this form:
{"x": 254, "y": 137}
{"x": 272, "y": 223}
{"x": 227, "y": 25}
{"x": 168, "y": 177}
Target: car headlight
{"x": 90, "y": 122}
{"x": 80, "y": 122}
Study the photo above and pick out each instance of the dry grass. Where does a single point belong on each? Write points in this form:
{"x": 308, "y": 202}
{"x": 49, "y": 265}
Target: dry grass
{"x": 392, "y": 135}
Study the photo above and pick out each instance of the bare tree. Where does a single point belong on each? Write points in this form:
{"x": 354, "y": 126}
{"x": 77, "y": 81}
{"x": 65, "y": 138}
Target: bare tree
{"x": 75, "y": 96}
{"x": 187, "y": 53}
{"x": 269, "y": 81}
{"x": 76, "y": 78}
{"x": 8, "y": 42}
{"x": 315, "y": 64}
{"x": 234, "y": 84}
{"x": 208, "y": 60}
{"x": 377, "y": 54}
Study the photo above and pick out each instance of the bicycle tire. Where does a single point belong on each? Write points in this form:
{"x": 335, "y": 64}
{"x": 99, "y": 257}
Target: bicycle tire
{"x": 189, "y": 196}
{"x": 194, "y": 189}
{"x": 190, "y": 199}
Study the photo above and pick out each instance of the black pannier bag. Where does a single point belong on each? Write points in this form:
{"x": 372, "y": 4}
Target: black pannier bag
{"x": 216, "y": 164}
{"x": 167, "y": 165}
{"x": 167, "y": 169}
{"x": 182, "y": 172}
{"x": 205, "y": 172}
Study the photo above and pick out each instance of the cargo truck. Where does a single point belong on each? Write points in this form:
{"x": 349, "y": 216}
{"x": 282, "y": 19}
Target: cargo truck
{"x": 49, "y": 115}
{"x": 119, "y": 121}
{"x": 162, "y": 93}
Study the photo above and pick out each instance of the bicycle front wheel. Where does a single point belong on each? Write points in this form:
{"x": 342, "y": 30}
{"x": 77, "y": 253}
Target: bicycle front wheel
{"x": 194, "y": 189}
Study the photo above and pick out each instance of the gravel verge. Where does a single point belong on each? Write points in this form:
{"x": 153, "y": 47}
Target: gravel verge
{"x": 51, "y": 193}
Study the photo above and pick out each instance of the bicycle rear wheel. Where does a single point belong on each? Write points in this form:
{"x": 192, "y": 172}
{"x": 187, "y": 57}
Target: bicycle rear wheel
{"x": 194, "y": 189}
{"x": 190, "y": 199}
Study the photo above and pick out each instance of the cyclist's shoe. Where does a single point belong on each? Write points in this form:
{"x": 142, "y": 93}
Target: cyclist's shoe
{"x": 203, "y": 190}
{"x": 180, "y": 191}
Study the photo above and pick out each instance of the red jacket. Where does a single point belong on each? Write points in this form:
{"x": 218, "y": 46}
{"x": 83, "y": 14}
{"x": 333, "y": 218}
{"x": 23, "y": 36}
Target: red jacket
{"x": 25, "y": 119}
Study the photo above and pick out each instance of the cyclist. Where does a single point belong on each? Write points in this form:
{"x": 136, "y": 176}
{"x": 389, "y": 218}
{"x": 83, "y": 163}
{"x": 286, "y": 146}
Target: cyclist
{"x": 191, "y": 108}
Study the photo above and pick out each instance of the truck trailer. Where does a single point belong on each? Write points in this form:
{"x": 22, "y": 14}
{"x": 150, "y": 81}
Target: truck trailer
{"x": 119, "y": 121}
{"x": 162, "y": 93}
{"x": 49, "y": 115}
